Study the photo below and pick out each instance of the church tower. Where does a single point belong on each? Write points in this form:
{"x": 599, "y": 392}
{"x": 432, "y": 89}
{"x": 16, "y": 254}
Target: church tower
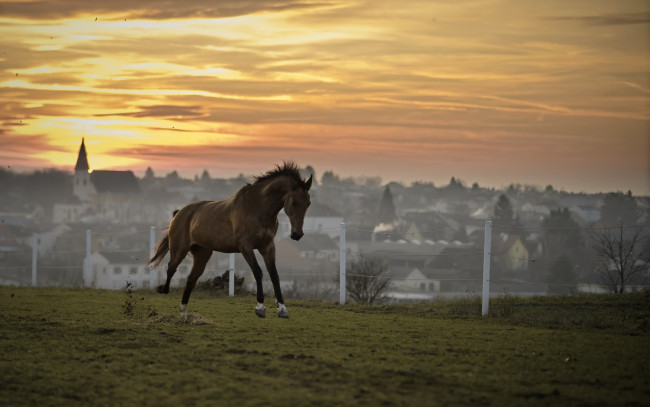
{"x": 82, "y": 187}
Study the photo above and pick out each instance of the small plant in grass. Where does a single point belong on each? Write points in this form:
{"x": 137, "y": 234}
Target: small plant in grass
{"x": 503, "y": 306}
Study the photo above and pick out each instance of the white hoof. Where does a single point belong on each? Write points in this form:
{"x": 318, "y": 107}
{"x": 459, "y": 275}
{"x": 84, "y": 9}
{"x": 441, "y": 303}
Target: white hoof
{"x": 282, "y": 311}
{"x": 183, "y": 309}
{"x": 260, "y": 310}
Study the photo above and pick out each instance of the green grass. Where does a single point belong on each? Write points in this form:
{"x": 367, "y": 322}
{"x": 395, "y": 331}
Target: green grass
{"x": 93, "y": 347}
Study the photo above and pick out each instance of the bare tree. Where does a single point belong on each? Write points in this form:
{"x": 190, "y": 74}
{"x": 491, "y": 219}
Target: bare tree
{"x": 367, "y": 280}
{"x": 626, "y": 252}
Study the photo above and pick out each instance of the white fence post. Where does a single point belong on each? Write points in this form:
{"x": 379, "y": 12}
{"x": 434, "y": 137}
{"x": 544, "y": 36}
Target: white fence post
{"x": 87, "y": 272}
{"x": 487, "y": 248}
{"x": 34, "y": 258}
{"x": 231, "y": 275}
{"x": 153, "y": 271}
{"x": 342, "y": 251}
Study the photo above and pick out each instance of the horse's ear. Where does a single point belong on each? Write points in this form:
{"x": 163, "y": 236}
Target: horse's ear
{"x": 308, "y": 183}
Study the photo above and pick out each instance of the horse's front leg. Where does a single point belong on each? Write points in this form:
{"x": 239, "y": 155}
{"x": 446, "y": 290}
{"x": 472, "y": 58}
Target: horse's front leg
{"x": 268, "y": 253}
{"x": 249, "y": 256}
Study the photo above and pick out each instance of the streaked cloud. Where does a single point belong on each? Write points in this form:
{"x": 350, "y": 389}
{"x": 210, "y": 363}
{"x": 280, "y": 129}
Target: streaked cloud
{"x": 609, "y": 19}
{"x": 149, "y": 9}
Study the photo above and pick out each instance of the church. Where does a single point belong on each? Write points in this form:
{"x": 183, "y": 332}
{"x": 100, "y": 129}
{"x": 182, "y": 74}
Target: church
{"x": 99, "y": 196}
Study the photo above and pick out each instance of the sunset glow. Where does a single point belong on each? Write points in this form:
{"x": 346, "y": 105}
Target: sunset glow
{"x": 494, "y": 92}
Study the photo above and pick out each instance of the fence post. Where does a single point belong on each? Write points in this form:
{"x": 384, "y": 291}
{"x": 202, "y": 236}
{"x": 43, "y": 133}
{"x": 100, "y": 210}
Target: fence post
{"x": 34, "y": 258}
{"x": 231, "y": 275}
{"x": 153, "y": 271}
{"x": 342, "y": 263}
{"x": 487, "y": 248}
{"x": 87, "y": 274}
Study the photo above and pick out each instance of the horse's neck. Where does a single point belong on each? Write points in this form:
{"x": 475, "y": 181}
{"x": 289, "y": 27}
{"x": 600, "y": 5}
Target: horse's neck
{"x": 271, "y": 196}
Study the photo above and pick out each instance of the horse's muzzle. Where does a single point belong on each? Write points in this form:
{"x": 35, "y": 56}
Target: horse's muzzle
{"x": 297, "y": 235}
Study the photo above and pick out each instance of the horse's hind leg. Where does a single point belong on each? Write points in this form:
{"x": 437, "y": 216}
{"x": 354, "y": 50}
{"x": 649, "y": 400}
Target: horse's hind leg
{"x": 175, "y": 259}
{"x": 201, "y": 256}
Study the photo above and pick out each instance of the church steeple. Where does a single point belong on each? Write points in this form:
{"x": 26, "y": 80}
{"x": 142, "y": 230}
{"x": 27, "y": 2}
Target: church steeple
{"x": 82, "y": 187}
{"x": 82, "y": 160}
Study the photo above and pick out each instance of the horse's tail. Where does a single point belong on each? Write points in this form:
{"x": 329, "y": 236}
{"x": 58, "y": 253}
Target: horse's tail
{"x": 162, "y": 248}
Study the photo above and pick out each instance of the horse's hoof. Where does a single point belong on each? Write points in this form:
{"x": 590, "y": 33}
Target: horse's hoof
{"x": 282, "y": 311}
{"x": 163, "y": 290}
{"x": 260, "y": 311}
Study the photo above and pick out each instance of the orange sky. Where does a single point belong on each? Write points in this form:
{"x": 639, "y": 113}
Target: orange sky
{"x": 491, "y": 91}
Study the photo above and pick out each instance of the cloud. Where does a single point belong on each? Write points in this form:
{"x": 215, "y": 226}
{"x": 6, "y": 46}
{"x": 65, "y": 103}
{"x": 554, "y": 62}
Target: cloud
{"x": 20, "y": 151}
{"x": 149, "y": 9}
{"x": 608, "y": 19}
{"x": 187, "y": 159}
{"x": 167, "y": 111}
{"x": 29, "y": 143}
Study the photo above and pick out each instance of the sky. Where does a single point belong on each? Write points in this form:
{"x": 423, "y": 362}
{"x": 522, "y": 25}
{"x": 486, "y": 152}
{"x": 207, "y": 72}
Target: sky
{"x": 488, "y": 91}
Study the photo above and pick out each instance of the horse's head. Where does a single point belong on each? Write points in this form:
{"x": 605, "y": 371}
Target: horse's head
{"x": 296, "y": 203}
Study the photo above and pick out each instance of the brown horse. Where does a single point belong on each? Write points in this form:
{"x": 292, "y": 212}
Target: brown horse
{"x": 246, "y": 221}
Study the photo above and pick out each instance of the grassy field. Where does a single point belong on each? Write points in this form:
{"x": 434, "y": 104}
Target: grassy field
{"x": 93, "y": 347}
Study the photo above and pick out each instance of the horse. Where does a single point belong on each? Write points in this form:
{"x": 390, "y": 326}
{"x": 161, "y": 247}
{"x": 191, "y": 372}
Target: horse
{"x": 245, "y": 222}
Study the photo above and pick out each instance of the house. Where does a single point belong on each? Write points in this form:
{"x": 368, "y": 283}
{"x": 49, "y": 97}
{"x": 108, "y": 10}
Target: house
{"x": 69, "y": 211}
{"x": 411, "y": 284}
{"x": 400, "y": 253}
{"x": 317, "y": 246}
{"x": 586, "y": 213}
{"x": 111, "y": 270}
{"x": 319, "y": 219}
{"x": 413, "y": 280}
{"x": 536, "y": 212}
{"x": 429, "y": 225}
{"x": 315, "y": 253}
{"x": 511, "y": 252}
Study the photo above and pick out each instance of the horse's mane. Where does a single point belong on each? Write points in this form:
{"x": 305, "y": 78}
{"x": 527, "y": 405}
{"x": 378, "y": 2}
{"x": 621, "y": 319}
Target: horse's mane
{"x": 288, "y": 168}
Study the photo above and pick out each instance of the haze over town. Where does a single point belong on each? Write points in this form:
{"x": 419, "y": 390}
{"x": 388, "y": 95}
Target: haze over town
{"x": 428, "y": 237}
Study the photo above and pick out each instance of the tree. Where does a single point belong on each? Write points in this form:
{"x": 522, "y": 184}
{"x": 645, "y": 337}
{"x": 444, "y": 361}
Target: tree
{"x": 387, "y": 213}
{"x": 504, "y": 214}
{"x": 561, "y": 233}
{"x": 619, "y": 208}
{"x": 205, "y": 177}
{"x": 329, "y": 178}
{"x": 367, "y": 280}
{"x": 455, "y": 184}
{"x": 149, "y": 173}
{"x": 626, "y": 251}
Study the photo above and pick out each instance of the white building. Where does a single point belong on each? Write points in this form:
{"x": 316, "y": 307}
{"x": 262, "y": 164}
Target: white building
{"x": 412, "y": 280}
{"x": 319, "y": 219}
{"x": 112, "y": 270}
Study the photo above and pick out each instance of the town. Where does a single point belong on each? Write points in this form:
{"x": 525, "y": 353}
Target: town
{"x": 419, "y": 242}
